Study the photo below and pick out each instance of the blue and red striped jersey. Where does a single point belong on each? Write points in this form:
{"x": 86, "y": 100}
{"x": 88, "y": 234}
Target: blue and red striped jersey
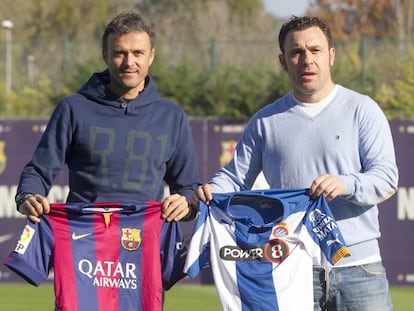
{"x": 105, "y": 256}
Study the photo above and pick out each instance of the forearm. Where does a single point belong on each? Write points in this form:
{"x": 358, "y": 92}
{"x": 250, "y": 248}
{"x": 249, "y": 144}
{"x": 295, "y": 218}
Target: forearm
{"x": 372, "y": 187}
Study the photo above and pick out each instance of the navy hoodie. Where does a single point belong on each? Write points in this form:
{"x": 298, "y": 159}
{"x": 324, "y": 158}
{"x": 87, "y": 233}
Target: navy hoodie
{"x": 115, "y": 151}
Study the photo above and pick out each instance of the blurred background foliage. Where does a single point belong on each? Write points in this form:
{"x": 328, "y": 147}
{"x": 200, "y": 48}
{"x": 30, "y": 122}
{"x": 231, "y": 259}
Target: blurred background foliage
{"x": 214, "y": 57}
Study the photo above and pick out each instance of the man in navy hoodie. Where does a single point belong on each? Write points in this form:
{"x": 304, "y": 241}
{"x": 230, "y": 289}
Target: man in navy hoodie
{"x": 120, "y": 140}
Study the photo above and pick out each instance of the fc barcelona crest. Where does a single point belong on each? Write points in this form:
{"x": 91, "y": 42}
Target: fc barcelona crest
{"x": 3, "y": 157}
{"x": 227, "y": 151}
{"x": 131, "y": 239}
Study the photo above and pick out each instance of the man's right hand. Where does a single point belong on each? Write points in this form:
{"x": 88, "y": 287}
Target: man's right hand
{"x": 203, "y": 193}
{"x": 34, "y": 206}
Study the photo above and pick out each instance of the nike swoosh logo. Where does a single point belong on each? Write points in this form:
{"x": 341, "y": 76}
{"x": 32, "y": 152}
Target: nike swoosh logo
{"x": 5, "y": 237}
{"x": 80, "y": 236}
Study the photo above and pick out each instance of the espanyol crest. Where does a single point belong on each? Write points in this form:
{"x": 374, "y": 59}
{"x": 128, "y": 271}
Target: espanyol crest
{"x": 131, "y": 239}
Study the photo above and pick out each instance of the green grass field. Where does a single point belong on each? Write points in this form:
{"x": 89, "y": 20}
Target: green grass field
{"x": 21, "y": 297}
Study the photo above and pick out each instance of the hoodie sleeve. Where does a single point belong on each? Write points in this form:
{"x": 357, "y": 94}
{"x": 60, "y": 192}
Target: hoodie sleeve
{"x": 182, "y": 174}
{"x": 49, "y": 156}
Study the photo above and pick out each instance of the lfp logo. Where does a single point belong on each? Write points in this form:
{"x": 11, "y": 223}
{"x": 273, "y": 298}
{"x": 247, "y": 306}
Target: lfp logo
{"x": 25, "y": 238}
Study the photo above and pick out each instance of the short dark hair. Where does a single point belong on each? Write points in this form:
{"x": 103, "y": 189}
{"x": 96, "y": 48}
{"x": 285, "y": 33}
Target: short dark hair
{"x": 125, "y": 23}
{"x": 301, "y": 23}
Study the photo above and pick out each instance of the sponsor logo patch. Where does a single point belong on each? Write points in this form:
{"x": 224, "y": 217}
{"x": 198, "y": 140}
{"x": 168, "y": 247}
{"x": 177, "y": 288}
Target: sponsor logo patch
{"x": 274, "y": 251}
{"x": 25, "y": 238}
{"x": 76, "y": 236}
{"x": 236, "y": 253}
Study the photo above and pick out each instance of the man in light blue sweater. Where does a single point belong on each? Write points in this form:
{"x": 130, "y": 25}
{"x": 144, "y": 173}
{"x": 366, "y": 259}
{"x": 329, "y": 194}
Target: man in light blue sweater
{"x": 337, "y": 143}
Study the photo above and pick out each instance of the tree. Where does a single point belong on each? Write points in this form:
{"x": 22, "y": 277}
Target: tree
{"x": 404, "y": 17}
{"x": 398, "y": 99}
{"x": 197, "y": 25}
{"x": 214, "y": 57}
{"x": 351, "y": 19}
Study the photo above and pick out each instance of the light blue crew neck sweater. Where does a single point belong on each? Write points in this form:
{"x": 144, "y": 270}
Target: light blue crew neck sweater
{"x": 350, "y": 137}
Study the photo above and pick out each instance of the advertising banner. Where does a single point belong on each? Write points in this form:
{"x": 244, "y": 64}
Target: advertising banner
{"x": 18, "y": 139}
{"x": 397, "y": 214}
{"x": 214, "y": 141}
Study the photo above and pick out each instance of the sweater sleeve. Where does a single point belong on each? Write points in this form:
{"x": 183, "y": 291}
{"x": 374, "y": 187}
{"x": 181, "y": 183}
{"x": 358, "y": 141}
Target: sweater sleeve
{"x": 241, "y": 172}
{"x": 378, "y": 178}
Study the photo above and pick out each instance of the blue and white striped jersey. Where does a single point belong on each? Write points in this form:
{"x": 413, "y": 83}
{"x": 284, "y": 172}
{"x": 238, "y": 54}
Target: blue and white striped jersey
{"x": 261, "y": 246}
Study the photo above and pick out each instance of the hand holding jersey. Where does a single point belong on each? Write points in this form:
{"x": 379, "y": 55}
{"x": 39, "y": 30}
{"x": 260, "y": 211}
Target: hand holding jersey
{"x": 174, "y": 207}
{"x": 329, "y": 186}
{"x": 33, "y": 206}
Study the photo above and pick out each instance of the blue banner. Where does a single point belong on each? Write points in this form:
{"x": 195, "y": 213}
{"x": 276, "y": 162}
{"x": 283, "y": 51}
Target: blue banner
{"x": 214, "y": 142}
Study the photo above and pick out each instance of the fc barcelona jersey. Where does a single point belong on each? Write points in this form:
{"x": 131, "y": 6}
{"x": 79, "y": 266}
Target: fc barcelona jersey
{"x": 105, "y": 256}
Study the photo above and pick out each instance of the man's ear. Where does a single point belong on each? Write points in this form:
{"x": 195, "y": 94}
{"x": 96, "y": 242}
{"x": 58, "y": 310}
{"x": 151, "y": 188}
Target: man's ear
{"x": 152, "y": 56}
{"x": 332, "y": 53}
{"x": 104, "y": 56}
{"x": 282, "y": 61}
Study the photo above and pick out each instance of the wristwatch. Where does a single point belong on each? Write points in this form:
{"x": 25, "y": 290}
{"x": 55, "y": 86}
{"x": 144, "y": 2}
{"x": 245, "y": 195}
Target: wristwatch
{"x": 21, "y": 197}
{"x": 192, "y": 213}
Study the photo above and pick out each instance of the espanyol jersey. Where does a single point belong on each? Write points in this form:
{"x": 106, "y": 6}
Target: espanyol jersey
{"x": 105, "y": 256}
{"x": 261, "y": 246}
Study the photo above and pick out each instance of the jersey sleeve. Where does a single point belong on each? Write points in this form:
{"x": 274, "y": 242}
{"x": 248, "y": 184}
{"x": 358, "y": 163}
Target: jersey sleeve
{"x": 32, "y": 257}
{"x": 324, "y": 231}
{"x": 173, "y": 254}
{"x": 199, "y": 249}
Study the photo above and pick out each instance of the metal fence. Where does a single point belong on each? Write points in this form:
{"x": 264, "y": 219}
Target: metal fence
{"x": 56, "y": 60}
